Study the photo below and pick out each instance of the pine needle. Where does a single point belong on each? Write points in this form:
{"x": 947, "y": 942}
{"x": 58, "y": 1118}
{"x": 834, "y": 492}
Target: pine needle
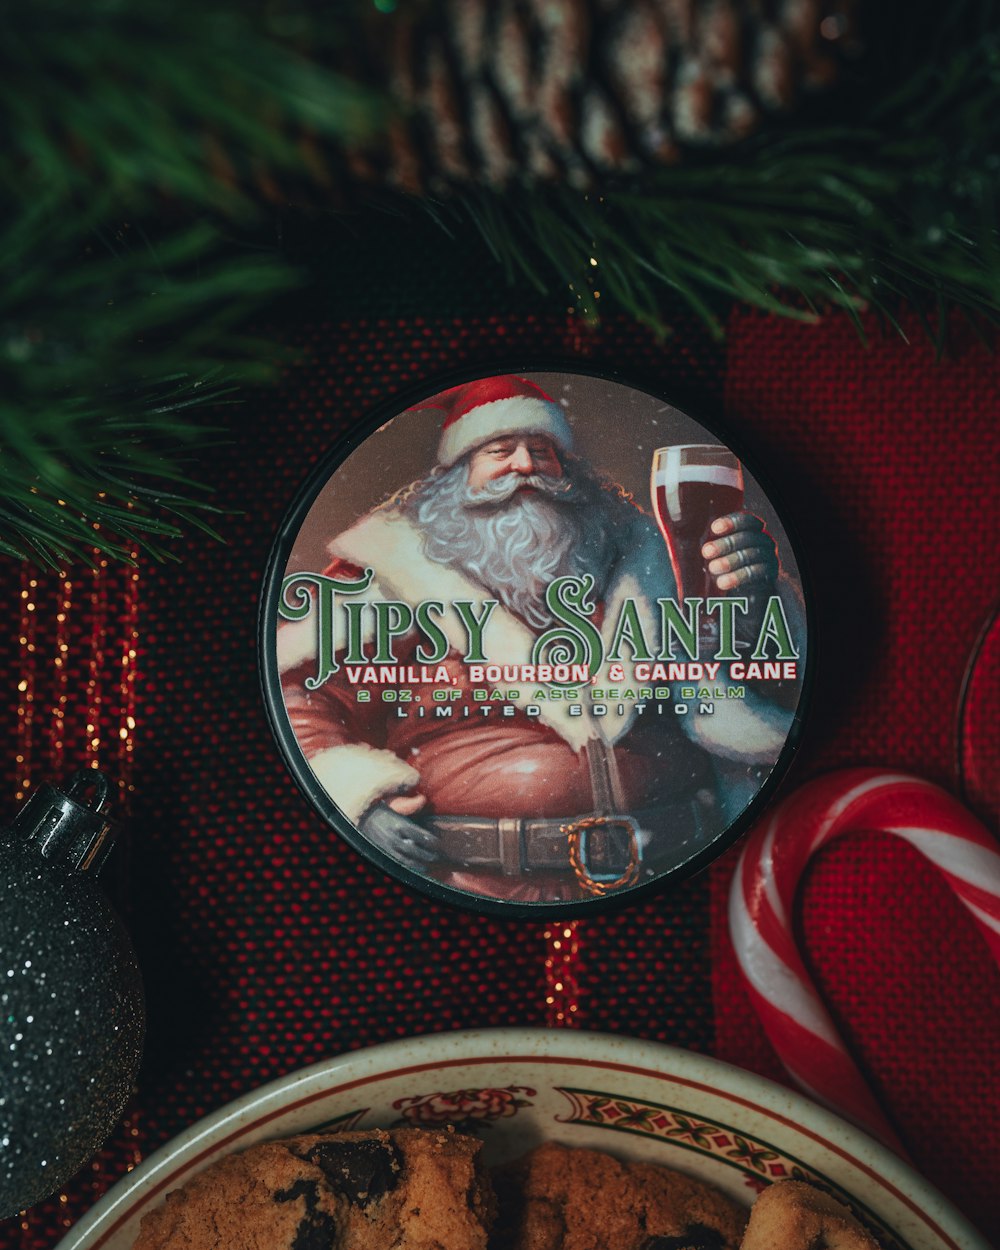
{"x": 146, "y": 144}
{"x": 118, "y": 333}
{"x": 894, "y": 206}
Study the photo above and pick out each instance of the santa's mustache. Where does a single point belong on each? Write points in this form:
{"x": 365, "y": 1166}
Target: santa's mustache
{"x": 499, "y": 489}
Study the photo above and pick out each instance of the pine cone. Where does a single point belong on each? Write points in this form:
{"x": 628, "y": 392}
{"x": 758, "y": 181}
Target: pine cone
{"x": 492, "y": 91}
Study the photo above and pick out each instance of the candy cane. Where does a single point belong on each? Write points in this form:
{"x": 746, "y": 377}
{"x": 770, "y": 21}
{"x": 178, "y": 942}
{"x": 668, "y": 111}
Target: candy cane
{"x": 762, "y": 899}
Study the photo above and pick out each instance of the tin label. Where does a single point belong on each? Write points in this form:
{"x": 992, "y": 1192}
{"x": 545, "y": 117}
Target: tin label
{"x": 537, "y": 641}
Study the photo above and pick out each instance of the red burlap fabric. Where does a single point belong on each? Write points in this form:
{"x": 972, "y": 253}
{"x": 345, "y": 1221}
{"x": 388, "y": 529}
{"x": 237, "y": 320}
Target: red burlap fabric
{"x": 267, "y": 944}
{"x": 890, "y": 461}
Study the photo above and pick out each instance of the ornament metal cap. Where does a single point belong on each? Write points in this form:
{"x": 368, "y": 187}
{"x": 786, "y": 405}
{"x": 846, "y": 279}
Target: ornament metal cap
{"x": 65, "y": 826}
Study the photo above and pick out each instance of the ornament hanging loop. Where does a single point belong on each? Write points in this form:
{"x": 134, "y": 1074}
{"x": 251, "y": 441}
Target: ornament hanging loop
{"x": 69, "y": 828}
{"x": 89, "y": 779}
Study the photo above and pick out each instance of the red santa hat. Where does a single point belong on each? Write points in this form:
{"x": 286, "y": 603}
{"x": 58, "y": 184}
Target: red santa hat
{"x": 489, "y": 408}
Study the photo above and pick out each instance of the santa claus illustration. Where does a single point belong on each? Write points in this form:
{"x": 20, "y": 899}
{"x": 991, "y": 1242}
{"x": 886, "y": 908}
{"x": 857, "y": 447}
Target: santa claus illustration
{"x": 519, "y": 792}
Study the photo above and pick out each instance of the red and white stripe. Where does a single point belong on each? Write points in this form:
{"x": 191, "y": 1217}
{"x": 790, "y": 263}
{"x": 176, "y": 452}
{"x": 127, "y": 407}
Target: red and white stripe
{"x": 762, "y": 899}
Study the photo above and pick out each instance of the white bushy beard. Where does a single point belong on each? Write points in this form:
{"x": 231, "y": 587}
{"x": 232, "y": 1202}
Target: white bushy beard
{"x": 516, "y": 542}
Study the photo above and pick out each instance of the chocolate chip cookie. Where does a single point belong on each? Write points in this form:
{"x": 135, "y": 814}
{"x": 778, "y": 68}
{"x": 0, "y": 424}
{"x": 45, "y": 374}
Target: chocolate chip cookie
{"x": 558, "y": 1198}
{"x": 409, "y": 1189}
{"x": 797, "y": 1216}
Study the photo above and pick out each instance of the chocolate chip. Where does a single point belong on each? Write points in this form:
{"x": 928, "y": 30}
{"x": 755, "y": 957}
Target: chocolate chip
{"x": 316, "y": 1229}
{"x": 361, "y": 1171}
{"x": 697, "y": 1237}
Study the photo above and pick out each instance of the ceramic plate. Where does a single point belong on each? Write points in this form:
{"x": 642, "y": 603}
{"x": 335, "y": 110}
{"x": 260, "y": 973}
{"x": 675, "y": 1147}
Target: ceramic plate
{"x": 517, "y": 1087}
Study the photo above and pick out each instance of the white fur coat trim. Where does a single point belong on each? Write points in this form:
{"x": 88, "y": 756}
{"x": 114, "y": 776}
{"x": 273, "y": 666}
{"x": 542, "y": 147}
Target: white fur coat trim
{"x": 296, "y": 643}
{"x": 357, "y": 776}
{"x": 520, "y": 414}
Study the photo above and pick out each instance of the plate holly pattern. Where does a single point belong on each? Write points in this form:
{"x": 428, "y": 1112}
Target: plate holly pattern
{"x": 467, "y": 1109}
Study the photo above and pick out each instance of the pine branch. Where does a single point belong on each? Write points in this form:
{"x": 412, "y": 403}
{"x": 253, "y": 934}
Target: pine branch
{"x": 896, "y": 205}
{"x": 114, "y": 338}
{"x": 103, "y": 395}
{"x": 107, "y": 478}
{"x": 201, "y": 116}
{"x": 112, "y": 106}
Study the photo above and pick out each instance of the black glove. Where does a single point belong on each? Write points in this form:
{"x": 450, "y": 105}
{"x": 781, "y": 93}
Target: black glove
{"x": 400, "y": 837}
{"x": 743, "y": 558}
{"x": 744, "y": 562}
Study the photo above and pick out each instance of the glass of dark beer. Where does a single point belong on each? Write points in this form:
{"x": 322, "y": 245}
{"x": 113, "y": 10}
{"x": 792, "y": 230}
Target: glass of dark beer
{"x": 692, "y": 484}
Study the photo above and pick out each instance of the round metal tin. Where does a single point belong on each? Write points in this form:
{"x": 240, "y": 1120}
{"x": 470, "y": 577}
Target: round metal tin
{"x": 498, "y": 659}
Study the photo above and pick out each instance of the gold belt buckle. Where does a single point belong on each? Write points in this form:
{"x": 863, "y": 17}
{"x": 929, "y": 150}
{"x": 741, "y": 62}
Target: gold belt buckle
{"x": 577, "y": 835}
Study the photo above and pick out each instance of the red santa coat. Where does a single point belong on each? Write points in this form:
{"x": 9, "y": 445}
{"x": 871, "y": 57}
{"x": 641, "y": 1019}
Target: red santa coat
{"x": 512, "y": 765}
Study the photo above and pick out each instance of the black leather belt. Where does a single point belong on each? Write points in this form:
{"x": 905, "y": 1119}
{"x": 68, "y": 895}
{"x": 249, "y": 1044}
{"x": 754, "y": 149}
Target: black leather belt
{"x": 515, "y": 846}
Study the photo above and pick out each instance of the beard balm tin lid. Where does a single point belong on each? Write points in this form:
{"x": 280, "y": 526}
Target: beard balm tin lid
{"x": 499, "y": 660}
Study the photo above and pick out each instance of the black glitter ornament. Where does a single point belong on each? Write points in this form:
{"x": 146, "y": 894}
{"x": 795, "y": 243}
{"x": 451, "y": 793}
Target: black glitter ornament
{"x": 71, "y": 1004}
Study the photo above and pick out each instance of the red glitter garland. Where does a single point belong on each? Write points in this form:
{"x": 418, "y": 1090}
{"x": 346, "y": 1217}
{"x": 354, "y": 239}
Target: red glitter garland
{"x": 109, "y": 697}
{"x": 27, "y": 637}
{"x": 98, "y": 608}
{"x": 126, "y": 761}
{"x": 562, "y": 963}
{"x": 56, "y": 721}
